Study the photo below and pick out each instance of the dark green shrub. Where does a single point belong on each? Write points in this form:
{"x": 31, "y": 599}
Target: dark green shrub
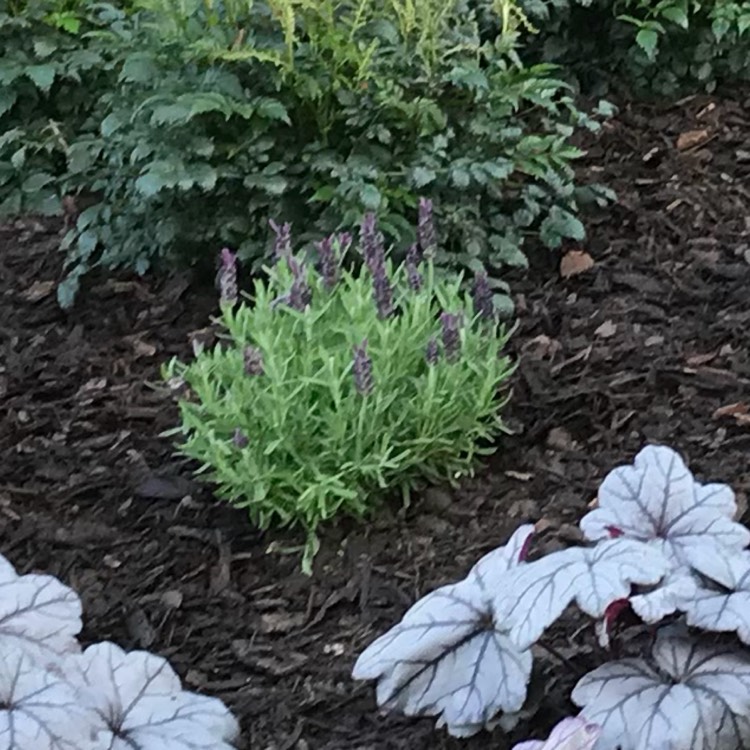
{"x": 648, "y": 47}
{"x": 223, "y": 114}
{"x": 47, "y": 80}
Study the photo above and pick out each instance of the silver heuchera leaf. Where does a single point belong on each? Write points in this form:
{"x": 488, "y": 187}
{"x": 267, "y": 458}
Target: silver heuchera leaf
{"x": 594, "y": 577}
{"x": 449, "y": 656}
{"x": 657, "y": 500}
{"x": 678, "y": 587}
{"x": 696, "y": 697}
{"x": 490, "y": 571}
{"x": 140, "y": 703}
{"x": 724, "y": 607}
{"x": 38, "y": 709}
{"x": 38, "y": 614}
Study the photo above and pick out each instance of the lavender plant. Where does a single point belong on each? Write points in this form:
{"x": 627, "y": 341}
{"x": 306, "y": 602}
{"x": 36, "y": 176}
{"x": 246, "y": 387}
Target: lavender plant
{"x": 662, "y": 545}
{"x": 334, "y": 386}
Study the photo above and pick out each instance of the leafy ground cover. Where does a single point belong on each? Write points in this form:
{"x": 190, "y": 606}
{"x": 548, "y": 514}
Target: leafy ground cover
{"x": 655, "y": 48}
{"x": 165, "y": 131}
{"x": 648, "y": 344}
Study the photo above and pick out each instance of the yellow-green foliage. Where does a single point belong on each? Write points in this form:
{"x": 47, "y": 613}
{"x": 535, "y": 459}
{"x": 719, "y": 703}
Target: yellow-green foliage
{"x": 512, "y": 17}
{"x": 231, "y": 30}
{"x": 424, "y": 21}
{"x": 228, "y": 29}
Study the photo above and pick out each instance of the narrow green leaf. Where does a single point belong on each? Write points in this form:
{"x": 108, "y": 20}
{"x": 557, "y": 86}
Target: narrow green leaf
{"x": 44, "y": 47}
{"x": 676, "y": 14}
{"x": 138, "y": 68}
{"x": 560, "y": 224}
{"x": 204, "y": 176}
{"x": 67, "y": 289}
{"x": 460, "y": 177}
{"x": 720, "y": 27}
{"x": 647, "y": 40}
{"x": 8, "y": 98}
{"x": 169, "y": 114}
{"x": 423, "y": 176}
{"x": 35, "y": 182}
{"x": 110, "y": 124}
{"x": 273, "y": 110}
{"x": 271, "y": 184}
{"x": 323, "y": 194}
{"x": 43, "y": 76}
{"x": 18, "y": 159}
{"x": 149, "y": 184}
{"x": 370, "y": 197}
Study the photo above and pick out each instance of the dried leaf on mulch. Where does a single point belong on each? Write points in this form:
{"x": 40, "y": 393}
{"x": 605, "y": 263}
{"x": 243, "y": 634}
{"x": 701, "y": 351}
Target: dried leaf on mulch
{"x": 574, "y": 263}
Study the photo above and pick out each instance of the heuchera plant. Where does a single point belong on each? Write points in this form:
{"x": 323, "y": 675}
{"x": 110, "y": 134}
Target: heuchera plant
{"x": 53, "y": 696}
{"x": 661, "y": 544}
{"x": 341, "y": 378}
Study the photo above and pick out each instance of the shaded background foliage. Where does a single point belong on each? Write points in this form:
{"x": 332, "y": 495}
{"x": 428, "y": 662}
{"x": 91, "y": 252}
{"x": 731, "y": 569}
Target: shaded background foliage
{"x": 642, "y": 47}
{"x": 164, "y": 128}
{"x": 195, "y": 122}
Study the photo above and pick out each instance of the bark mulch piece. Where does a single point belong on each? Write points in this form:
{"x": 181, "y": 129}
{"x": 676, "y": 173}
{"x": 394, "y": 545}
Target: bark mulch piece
{"x": 644, "y": 346}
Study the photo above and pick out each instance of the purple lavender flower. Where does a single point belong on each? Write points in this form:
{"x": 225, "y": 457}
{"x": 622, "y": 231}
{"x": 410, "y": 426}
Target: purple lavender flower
{"x": 253, "y": 360}
{"x": 382, "y": 292}
{"x": 414, "y": 255}
{"x": 373, "y": 251}
{"x": 426, "y": 228}
{"x": 371, "y": 241}
{"x": 482, "y": 296}
{"x": 328, "y": 262}
{"x": 362, "y": 368}
{"x": 344, "y": 240}
{"x": 300, "y": 295}
{"x": 239, "y": 439}
{"x": 414, "y": 277}
{"x": 449, "y": 323}
{"x": 227, "y": 277}
{"x": 282, "y": 245}
{"x": 432, "y": 352}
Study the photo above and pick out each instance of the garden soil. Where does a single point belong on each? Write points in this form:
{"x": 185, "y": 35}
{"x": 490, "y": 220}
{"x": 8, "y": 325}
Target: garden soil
{"x": 648, "y": 344}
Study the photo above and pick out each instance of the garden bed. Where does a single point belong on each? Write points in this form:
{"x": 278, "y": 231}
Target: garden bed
{"x": 643, "y": 347}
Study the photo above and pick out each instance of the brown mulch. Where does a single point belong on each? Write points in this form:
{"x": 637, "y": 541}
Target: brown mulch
{"x": 643, "y": 347}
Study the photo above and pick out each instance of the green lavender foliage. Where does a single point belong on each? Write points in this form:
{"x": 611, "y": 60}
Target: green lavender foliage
{"x": 292, "y": 439}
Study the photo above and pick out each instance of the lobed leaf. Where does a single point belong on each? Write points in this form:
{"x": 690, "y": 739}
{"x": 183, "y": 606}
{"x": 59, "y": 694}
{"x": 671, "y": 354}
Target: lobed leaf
{"x": 693, "y": 697}
{"x": 594, "y": 578}
{"x": 668, "y": 597}
{"x": 140, "y": 703}
{"x": 657, "y": 501}
{"x": 449, "y": 656}
{"x": 38, "y": 614}
{"x": 39, "y": 710}
{"x": 722, "y": 603}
